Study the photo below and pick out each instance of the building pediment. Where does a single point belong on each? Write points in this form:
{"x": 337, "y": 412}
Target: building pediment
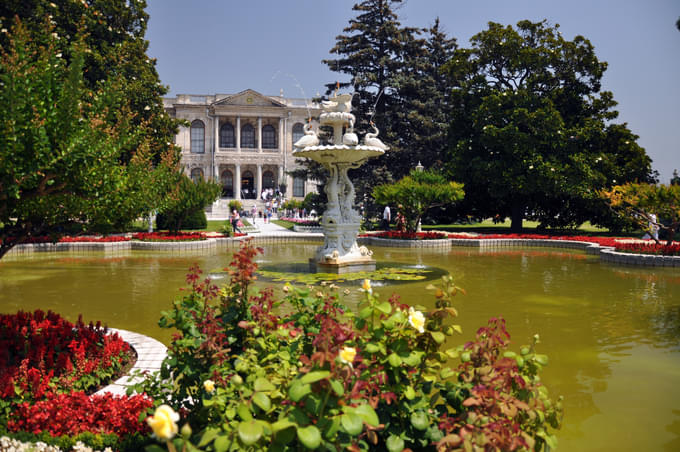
{"x": 248, "y": 98}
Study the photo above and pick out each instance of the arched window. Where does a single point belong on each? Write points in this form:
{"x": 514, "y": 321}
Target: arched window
{"x": 197, "y": 137}
{"x": 227, "y": 181}
{"x": 269, "y": 137}
{"x": 267, "y": 179}
{"x": 196, "y": 175}
{"x": 298, "y": 187}
{"x": 248, "y": 136}
{"x": 227, "y": 138}
{"x": 298, "y": 131}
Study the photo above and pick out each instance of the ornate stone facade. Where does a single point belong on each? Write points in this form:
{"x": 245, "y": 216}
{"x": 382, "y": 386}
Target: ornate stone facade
{"x": 244, "y": 141}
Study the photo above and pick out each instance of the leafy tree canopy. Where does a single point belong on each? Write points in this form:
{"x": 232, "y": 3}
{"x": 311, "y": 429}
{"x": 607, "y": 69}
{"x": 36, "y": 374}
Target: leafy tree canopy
{"x": 414, "y": 194}
{"x": 648, "y": 205}
{"x": 113, "y": 33}
{"x": 71, "y": 155}
{"x": 530, "y": 127}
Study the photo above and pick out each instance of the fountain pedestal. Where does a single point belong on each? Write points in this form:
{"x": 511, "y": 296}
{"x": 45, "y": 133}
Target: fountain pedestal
{"x": 340, "y": 252}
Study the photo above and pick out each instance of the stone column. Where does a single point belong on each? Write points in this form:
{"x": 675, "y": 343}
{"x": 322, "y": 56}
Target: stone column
{"x": 281, "y": 135}
{"x": 237, "y": 179}
{"x": 259, "y": 134}
{"x": 258, "y": 183}
{"x": 279, "y": 179}
{"x": 238, "y": 135}
{"x": 216, "y": 147}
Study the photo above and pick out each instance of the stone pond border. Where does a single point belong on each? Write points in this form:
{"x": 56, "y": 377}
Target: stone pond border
{"x": 150, "y": 356}
{"x": 606, "y": 253}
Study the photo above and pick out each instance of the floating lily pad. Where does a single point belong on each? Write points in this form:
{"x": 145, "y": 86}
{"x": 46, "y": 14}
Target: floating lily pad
{"x": 299, "y": 273}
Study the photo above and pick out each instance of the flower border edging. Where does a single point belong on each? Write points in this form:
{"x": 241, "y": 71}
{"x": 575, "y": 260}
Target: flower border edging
{"x": 150, "y": 356}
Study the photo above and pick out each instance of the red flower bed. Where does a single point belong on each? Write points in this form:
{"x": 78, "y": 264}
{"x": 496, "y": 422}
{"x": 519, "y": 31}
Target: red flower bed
{"x": 69, "y": 239}
{"x": 41, "y": 353}
{"x": 168, "y": 236}
{"x": 109, "y": 239}
{"x": 74, "y": 413}
{"x": 402, "y": 235}
{"x": 649, "y": 248}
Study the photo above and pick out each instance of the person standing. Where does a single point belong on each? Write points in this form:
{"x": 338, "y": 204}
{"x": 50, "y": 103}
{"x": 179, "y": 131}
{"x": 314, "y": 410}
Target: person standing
{"x": 235, "y": 217}
{"x": 387, "y": 216}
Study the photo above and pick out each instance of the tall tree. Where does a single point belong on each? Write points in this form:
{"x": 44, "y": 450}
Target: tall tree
{"x": 395, "y": 75}
{"x": 113, "y": 32}
{"x": 71, "y": 156}
{"x": 530, "y": 130}
{"x": 423, "y": 93}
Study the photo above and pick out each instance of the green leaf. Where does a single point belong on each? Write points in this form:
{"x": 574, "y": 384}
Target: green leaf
{"x": 367, "y": 414}
{"x": 244, "y": 412}
{"x": 371, "y": 348}
{"x": 409, "y": 393}
{"x": 221, "y": 443}
{"x": 394, "y": 360}
{"x": 352, "y": 423}
{"x": 262, "y": 400}
{"x": 458, "y": 329}
{"x": 282, "y": 424}
{"x": 438, "y": 336}
{"x": 208, "y": 436}
{"x": 298, "y": 390}
{"x": 154, "y": 448}
{"x": 419, "y": 420}
{"x": 384, "y": 307}
{"x": 332, "y": 427}
{"x": 395, "y": 444}
{"x": 250, "y": 432}
{"x": 337, "y": 387}
{"x": 365, "y": 312}
{"x": 412, "y": 359}
{"x": 446, "y": 373}
{"x": 309, "y": 436}
{"x": 262, "y": 384}
{"x": 315, "y": 376}
{"x": 541, "y": 359}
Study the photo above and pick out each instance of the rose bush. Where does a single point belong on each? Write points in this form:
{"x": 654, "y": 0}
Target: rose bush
{"x": 317, "y": 375}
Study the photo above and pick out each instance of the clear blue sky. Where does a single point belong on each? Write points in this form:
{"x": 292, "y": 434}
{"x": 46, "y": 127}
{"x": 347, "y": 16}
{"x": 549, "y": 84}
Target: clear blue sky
{"x": 221, "y": 46}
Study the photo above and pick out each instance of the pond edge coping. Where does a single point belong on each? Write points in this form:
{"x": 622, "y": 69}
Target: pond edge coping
{"x": 606, "y": 253}
{"x": 150, "y": 356}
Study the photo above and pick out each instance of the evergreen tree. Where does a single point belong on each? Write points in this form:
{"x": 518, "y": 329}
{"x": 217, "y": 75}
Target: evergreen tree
{"x": 423, "y": 90}
{"x": 395, "y": 76}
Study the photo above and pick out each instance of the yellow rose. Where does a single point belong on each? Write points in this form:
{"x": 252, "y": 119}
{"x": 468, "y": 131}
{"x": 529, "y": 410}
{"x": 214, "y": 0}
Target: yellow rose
{"x": 209, "y": 386}
{"x": 347, "y": 355}
{"x": 416, "y": 319}
{"x": 164, "y": 423}
{"x": 367, "y": 285}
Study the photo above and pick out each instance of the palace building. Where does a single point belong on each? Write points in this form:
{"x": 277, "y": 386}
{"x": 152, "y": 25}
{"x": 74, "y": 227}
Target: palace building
{"x": 244, "y": 141}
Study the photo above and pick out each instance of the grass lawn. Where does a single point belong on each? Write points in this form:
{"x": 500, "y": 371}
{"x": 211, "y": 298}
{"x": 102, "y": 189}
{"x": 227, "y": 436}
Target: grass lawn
{"x": 284, "y": 224}
{"x": 529, "y": 227}
{"x": 213, "y": 226}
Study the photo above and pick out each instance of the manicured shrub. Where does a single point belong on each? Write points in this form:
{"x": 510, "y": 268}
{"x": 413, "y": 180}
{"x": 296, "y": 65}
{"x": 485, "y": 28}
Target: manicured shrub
{"x": 192, "y": 220}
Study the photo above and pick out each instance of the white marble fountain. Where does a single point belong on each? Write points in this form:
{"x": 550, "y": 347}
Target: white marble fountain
{"x": 340, "y": 222}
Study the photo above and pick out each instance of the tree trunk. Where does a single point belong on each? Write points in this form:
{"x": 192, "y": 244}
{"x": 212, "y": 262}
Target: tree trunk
{"x": 517, "y": 217}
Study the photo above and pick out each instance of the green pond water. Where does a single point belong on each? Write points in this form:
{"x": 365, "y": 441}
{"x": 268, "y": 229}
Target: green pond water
{"x": 612, "y": 332}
